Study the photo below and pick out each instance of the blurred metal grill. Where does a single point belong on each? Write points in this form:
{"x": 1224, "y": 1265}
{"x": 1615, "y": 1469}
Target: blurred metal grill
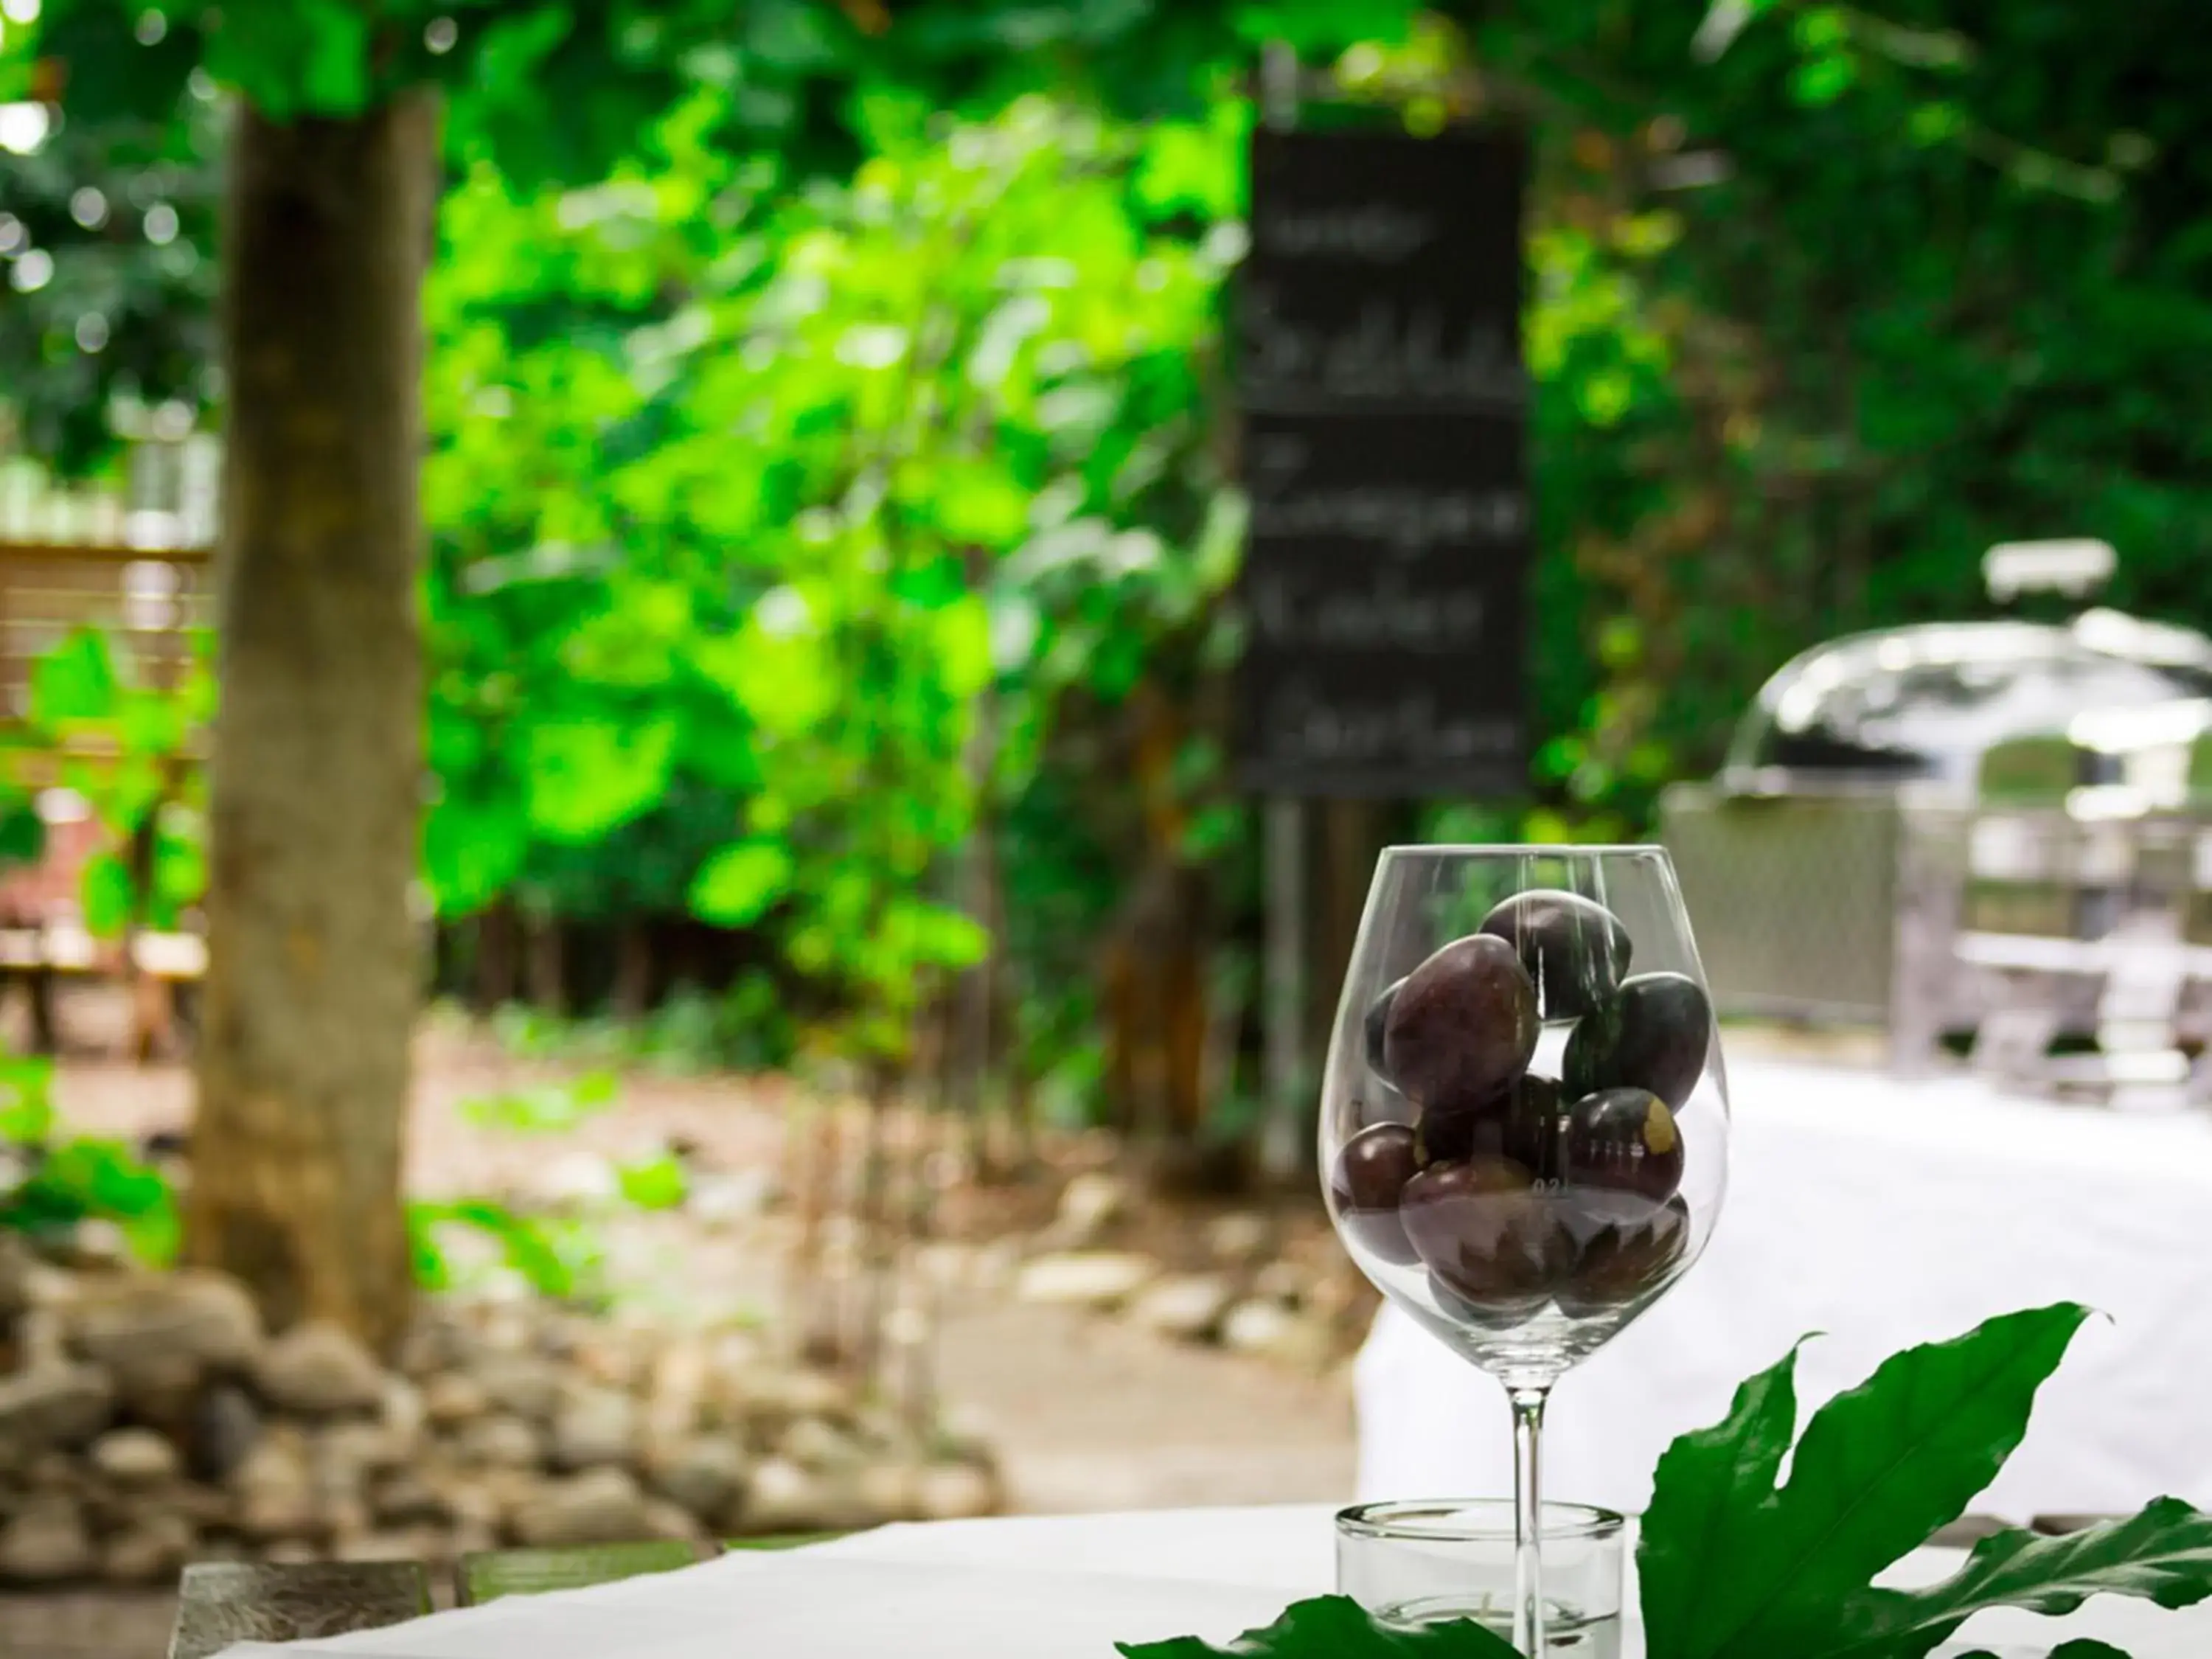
{"x": 1793, "y": 897}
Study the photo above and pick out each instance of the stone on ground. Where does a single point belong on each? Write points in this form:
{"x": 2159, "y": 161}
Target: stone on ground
{"x": 594, "y": 1427}
{"x": 1239, "y": 1239}
{"x": 705, "y": 1474}
{"x": 150, "y": 1550}
{"x": 319, "y": 1370}
{"x": 1271, "y": 1330}
{"x": 1090, "y": 1208}
{"x": 46, "y": 1540}
{"x": 1086, "y": 1278}
{"x": 53, "y": 1406}
{"x": 600, "y": 1506}
{"x": 136, "y": 1457}
{"x": 158, "y": 1325}
{"x": 1187, "y": 1307}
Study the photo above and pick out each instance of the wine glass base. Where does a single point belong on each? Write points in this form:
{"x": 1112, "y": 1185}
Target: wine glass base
{"x": 1531, "y": 1350}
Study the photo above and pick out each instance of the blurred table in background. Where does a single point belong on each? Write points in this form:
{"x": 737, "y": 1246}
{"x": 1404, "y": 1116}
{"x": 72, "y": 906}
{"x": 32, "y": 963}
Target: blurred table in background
{"x": 1881, "y": 1213}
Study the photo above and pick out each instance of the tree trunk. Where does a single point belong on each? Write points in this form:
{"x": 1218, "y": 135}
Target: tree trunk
{"x": 631, "y": 998}
{"x": 547, "y": 964}
{"x": 494, "y": 974}
{"x": 316, "y": 774}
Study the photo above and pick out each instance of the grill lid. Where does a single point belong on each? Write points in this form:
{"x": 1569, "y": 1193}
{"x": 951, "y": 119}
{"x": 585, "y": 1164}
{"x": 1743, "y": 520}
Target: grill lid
{"x": 1926, "y": 703}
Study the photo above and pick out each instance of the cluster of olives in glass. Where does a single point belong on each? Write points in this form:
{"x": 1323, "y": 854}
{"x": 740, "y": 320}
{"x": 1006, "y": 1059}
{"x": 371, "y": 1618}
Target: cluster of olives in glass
{"x": 1512, "y": 1189}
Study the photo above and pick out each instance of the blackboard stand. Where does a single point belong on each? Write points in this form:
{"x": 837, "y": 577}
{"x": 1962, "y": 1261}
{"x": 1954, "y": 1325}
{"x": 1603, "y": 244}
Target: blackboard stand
{"x": 1283, "y": 1013}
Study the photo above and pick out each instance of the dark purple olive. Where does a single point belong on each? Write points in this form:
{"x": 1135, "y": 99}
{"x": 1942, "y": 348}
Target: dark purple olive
{"x": 1653, "y": 1033}
{"x": 1372, "y": 1028}
{"x": 1519, "y": 1121}
{"x": 1498, "y": 1315}
{"x": 1573, "y": 948}
{"x": 1621, "y": 1153}
{"x": 1372, "y": 1170}
{"x": 1481, "y": 1229}
{"x": 1462, "y": 1025}
{"x": 1622, "y": 1263}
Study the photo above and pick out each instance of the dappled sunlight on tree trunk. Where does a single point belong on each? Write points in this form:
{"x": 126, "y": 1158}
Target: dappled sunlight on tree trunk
{"x": 313, "y": 973}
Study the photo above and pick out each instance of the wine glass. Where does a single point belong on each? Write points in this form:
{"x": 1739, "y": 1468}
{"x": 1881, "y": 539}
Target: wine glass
{"x": 1524, "y": 1117}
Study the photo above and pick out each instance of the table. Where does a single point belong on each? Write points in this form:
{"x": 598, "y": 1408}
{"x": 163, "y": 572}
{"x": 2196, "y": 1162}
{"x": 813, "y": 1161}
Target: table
{"x": 1883, "y": 1214}
{"x": 1057, "y": 1587}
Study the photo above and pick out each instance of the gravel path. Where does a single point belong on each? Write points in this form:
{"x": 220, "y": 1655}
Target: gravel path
{"x": 1094, "y": 1414}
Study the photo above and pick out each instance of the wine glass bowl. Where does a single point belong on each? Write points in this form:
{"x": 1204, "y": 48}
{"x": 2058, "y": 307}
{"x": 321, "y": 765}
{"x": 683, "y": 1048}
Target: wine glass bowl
{"x": 1524, "y": 1114}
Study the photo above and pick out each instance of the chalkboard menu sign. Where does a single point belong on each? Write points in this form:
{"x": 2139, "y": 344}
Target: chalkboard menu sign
{"x": 1383, "y": 395}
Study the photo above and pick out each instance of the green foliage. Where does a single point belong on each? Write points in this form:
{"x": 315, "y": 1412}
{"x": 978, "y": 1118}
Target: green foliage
{"x": 1333, "y": 1627}
{"x": 126, "y": 748}
{"x": 554, "y": 1260}
{"x": 105, "y": 236}
{"x": 1733, "y": 1566}
{"x": 27, "y": 1102}
{"x": 1843, "y": 421}
{"x": 97, "y": 1180}
{"x": 2162, "y": 1554}
{"x": 654, "y": 1183}
{"x": 58, "y": 1183}
{"x": 878, "y": 460}
{"x": 549, "y": 1109}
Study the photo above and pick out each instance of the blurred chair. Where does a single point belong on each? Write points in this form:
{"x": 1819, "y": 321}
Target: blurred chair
{"x": 2080, "y": 885}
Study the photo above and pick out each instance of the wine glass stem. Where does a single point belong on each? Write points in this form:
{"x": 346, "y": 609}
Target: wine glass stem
{"x": 1527, "y": 1519}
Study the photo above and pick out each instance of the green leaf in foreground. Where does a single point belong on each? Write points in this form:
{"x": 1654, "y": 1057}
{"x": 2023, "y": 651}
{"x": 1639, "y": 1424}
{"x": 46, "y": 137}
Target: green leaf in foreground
{"x": 1708, "y": 1496}
{"x": 1733, "y": 1569}
{"x": 2163, "y": 1555}
{"x": 1335, "y": 1627}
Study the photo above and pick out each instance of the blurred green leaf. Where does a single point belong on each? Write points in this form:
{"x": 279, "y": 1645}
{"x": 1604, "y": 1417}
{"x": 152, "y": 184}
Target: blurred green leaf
{"x": 654, "y": 1183}
{"x": 26, "y": 1112}
{"x": 736, "y": 886}
{"x": 544, "y": 1257}
{"x": 74, "y": 681}
{"x": 546, "y": 1109}
{"x": 108, "y": 895}
{"x": 90, "y": 1179}
{"x": 586, "y": 776}
{"x": 22, "y": 832}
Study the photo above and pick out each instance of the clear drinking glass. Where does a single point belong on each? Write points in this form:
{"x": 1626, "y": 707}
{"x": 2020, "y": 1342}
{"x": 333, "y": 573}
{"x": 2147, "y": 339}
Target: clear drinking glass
{"x": 1524, "y": 1117}
{"x": 1415, "y": 1562}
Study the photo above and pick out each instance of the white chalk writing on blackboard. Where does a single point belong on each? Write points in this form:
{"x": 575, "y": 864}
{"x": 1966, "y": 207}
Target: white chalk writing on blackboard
{"x": 1386, "y": 613}
{"x": 1378, "y": 234}
{"x": 1405, "y": 518}
{"x": 1304, "y": 725}
{"x": 1386, "y": 355}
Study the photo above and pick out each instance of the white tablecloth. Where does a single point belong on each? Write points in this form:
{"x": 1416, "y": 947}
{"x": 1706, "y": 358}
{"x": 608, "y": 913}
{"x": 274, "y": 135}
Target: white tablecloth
{"x": 1058, "y": 1588}
{"x": 1882, "y": 1214}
